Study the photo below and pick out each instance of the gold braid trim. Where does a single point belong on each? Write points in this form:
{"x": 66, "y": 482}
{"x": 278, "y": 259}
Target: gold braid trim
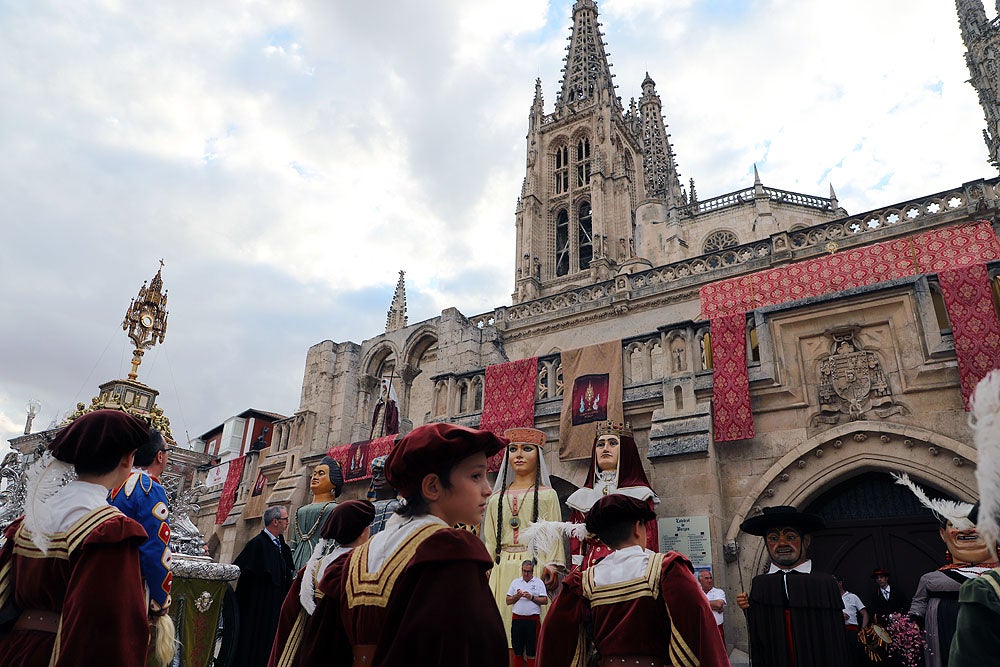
{"x": 62, "y": 545}
{"x": 291, "y": 649}
{"x": 372, "y": 589}
{"x": 680, "y": 653}
{"x": 6, "y": 579}
{"x": 647, "y": 586}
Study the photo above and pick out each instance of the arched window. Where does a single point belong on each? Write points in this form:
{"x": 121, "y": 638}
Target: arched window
{"x": 562, "y": 243}
{"x": 678, "y": 399}
{"x": 583, "y": 162}
{"x": 585, "y": 240}
{"x": 562, "y": 169}
{"x": 720, "y": 240}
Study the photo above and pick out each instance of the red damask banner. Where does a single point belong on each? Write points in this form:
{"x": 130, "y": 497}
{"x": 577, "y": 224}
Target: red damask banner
{"x": 355, "y": 459}
{"x": 228, "y": 497}
{"x": 733, "y": 419}
{"x": 930, "y": 252}
{"x": 974, "y": 326}
{"x": 509, "y": 399}
{"x": 934, "y": 251}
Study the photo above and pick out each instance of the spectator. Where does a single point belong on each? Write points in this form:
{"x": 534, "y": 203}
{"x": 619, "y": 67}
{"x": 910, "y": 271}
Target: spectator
{"x": 853, "y": 607}
{"x": 266, "y": 573}
{"x": 527, "y": 594}
{"x": 886, "y": 599}
{"x": 716, "y": 598}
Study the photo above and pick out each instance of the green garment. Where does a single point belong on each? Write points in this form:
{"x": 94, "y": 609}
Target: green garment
{"x": 977, "y": 636}
{"x": 309, "y": 520}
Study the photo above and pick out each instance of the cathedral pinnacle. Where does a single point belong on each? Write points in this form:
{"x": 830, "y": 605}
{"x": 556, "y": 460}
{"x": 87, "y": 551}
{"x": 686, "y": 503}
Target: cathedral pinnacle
{"x": 396, "y": 319}
{"x": 662, "y": 179}
{"x": 982, "y": 40}
{"x": 586, "y": 72}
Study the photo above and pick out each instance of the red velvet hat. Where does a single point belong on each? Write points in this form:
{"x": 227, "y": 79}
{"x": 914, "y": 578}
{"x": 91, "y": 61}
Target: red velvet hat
{"x": 432, "y": 448}
{"x": 616, "y": 508}
{"x": 348, "y": 520}
{"x": 100, "y": 435}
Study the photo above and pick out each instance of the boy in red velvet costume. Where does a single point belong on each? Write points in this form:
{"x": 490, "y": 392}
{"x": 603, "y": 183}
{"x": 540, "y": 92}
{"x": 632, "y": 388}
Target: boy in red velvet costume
{"x": 417, "y": 593}
{"x": 645, "y": 608}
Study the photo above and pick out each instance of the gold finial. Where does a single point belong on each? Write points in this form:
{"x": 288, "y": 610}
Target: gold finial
{"x": 146, "y": 319}
{"x": 831, "y": 247}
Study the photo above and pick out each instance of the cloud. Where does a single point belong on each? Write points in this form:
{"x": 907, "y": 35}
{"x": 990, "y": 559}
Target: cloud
{"x": 286, "y": 159}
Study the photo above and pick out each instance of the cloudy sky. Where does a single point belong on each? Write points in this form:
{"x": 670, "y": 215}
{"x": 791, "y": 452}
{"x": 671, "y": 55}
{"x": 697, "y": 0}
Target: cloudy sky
{"x": 287, "y": 158}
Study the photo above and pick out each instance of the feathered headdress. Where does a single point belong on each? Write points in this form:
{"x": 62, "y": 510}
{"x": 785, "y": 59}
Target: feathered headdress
{"x": 542, "y": 536}
{"x": 43, "y": 480}
{"x": 985, "y": 423}
{"x": 946, "y": 510}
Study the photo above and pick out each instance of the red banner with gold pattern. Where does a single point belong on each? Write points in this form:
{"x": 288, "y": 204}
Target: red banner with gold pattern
{"x": 356, "y": 458}
{"x": 933, "y": 251}
{"x": 969, "y": 301}
{"x": 509, "y": 399}
{"x": 732, "y": 419}
{"x": 228, "y": 497}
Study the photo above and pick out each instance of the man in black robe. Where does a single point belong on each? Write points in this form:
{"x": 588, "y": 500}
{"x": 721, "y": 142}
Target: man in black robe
{"x": 794, "y": 615}
{"x": 266, "y": 573}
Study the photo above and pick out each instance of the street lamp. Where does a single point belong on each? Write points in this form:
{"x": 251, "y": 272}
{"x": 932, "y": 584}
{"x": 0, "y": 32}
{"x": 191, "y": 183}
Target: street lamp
{"x": 32, "y": 409}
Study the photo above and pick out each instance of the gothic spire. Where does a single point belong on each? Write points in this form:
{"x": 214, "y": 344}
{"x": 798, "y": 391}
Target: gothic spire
{"x": 396, "y": 319}
{"x": 586, "y": 72}
{"x": 982, "y": 40}
{"x": 662, "y": 179}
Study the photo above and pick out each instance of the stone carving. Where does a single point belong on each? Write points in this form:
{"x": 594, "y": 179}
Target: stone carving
{"x": 851, "y": 382}
{"x": 13, "y": 483}
{"x": 185, "y": 538}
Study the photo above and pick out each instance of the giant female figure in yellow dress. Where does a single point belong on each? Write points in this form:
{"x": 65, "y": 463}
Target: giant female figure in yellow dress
{"x": 522, "y": 495}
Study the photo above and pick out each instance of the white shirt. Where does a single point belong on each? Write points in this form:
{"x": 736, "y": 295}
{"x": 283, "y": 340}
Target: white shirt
{"x": 716, "y": 594}
{"x": 524, "y": 607}
{"x": 886, "y": 591}
{"x": 622, "y": 565}
{"x": 805, "y": 567}
{"x": 852, "y": 605}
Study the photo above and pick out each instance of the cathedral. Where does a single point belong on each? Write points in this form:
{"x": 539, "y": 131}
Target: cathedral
{"x": 769, "y": 347}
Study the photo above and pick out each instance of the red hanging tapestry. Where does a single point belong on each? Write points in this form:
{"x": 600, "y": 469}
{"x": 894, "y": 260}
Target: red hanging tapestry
{"x": 969, "y": 302}
{"x": 509, "y": 399}
{"x": 355, "y": 459}
{"x": 733, "y": 419}
{"x": 228, "y": 497}
{"x": 932, "y": 251}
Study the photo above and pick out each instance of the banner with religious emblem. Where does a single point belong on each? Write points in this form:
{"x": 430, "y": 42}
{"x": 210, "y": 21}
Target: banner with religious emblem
{"x": 257, "y": 499}
{"x": 592, "y": 378}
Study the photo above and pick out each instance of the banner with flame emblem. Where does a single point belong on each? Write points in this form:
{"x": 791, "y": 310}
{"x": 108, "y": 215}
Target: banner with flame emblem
{"x": 592, "y": 378}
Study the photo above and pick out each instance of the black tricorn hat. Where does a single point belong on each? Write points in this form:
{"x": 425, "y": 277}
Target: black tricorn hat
{"x": 781, "y": 516}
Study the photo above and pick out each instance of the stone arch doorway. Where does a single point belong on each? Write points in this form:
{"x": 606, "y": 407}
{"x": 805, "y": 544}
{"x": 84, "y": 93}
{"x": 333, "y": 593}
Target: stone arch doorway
{"x": 873, "y": 522}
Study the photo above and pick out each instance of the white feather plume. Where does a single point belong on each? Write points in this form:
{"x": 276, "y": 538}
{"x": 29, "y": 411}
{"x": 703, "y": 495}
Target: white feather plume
{"x": 542, "y": 536}
{"x": 307, "y": 589}
{"x": 985, "y": 423}
{"x": 42, "y": 481}
{"x": 955, "y": 512}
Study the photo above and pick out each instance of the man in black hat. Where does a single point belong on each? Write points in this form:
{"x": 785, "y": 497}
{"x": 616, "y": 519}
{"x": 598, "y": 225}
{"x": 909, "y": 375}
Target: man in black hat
{"x": 886, "y": 599}
{"x": 794, "y": 615}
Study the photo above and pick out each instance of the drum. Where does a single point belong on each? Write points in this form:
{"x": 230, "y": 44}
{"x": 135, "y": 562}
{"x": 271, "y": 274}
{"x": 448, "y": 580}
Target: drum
{"x": 875, "y": 640}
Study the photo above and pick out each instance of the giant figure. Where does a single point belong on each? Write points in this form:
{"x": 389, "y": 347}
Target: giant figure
{"x": 521, "y": 496}
{"x": 325, "y": 484}
{"x": 615, "y": 467}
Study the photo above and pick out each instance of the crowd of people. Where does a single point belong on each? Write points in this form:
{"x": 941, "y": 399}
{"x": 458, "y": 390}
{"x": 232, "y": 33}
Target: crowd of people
{"x": 403, "y": 581}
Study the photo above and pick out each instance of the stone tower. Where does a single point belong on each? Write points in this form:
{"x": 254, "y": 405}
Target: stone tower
{"x": 982, "y": 39}
{"x": 584, "y": 178}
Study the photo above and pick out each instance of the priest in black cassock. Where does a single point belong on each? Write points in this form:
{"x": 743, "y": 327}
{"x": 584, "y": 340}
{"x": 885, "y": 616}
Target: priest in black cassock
{"x": 266, "y": 573}
{"x": 794, "y": 615}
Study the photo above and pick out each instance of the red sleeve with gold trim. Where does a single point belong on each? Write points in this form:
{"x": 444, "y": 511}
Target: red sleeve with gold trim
{"x": 104, "y": 620}
{"x": 562, "y": 642}
{"x": 694, "y": 635}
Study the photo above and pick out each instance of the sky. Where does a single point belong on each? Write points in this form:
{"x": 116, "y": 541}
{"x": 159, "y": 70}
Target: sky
{"x": 285, "y": 159}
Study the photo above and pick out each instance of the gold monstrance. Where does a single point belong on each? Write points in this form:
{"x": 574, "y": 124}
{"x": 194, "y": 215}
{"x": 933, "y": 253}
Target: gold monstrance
{"x": 146, "y": 319}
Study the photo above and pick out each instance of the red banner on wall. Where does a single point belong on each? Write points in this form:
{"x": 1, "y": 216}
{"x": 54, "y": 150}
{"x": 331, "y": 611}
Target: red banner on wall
{"x": 974, "y": 326}
{"x": 509, "y": 399}
{"x": 228, "y": 497}
{"x": 934, "y": 251}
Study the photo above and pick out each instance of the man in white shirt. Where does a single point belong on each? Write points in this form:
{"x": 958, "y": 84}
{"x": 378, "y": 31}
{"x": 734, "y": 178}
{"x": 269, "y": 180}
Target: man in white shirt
{"x": 527, "y": 594}
{"x": 854, "y": 610}
{"x": 716, "y": 598}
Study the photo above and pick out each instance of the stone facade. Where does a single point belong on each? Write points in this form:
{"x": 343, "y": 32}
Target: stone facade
{"x": 635, "y": 275}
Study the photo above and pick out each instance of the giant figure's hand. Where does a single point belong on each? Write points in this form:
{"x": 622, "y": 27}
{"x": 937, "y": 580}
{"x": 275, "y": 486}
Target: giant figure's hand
{"x": 550, "y": 577}
{"x": 743, "y": 601}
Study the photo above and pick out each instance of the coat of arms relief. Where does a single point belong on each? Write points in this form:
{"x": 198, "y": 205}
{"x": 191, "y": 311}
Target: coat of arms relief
{"x": 851, "y": 382}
